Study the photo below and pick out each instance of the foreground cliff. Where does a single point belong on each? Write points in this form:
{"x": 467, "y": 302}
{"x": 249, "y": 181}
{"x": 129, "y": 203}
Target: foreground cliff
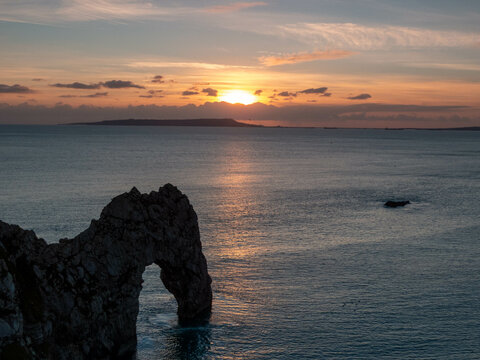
{"x": 78, "y": 299}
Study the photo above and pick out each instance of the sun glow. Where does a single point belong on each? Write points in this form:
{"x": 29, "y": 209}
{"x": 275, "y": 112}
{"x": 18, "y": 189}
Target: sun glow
{"x": 238, "y": 97}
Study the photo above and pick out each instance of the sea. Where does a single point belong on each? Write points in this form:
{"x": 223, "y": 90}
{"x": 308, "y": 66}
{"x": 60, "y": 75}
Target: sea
{"x": 306, "y": 261}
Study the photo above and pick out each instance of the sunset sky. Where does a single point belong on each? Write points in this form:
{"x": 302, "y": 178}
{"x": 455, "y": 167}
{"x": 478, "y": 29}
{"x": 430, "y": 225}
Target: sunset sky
{"x": 346, "y": 63}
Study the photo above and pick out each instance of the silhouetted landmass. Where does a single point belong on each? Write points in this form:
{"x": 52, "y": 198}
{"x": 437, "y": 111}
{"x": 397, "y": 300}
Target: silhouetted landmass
{"x": 182, "y": 122}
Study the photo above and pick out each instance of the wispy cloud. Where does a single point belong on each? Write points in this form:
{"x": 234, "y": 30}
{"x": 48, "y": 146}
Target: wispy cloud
{"x": 42, "y": 12}
{"x": 191, "y": 65}
{"x": 360, "y": 37}
{"x": 304, "y": 57}
{"x": 84, "y": 10}
{"x": 87, "y": 10}
{"x": 25, "y": 11}
{"x": 234, "y": 7}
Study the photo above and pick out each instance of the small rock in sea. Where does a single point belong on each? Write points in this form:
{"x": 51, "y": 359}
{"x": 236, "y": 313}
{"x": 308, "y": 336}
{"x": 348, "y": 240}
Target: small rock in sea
{"x": 394, "y": 204}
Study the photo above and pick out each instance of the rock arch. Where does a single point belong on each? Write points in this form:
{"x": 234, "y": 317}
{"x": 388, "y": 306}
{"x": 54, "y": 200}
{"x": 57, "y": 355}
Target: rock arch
{"x": 79, "y": 298}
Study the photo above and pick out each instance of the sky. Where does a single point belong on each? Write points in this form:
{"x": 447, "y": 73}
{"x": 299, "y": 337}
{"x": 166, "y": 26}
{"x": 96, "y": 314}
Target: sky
{"x": 342, "y": 63}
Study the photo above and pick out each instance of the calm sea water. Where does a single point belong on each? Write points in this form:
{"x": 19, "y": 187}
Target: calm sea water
{"x": 305, "y": 260}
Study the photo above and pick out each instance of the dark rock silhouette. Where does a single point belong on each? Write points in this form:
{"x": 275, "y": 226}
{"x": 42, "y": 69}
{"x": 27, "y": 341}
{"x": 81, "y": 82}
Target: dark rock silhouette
{"x": 78, "y": 299}
{"x": 394, "y": 204}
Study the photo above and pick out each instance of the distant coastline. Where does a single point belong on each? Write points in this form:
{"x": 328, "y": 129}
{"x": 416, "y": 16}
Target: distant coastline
{"x": 171, "y": 122}
{"x": 228, "y": 122}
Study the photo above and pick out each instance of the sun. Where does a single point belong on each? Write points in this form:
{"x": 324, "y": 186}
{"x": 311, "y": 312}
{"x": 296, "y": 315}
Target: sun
{"x": 238, "y": 97}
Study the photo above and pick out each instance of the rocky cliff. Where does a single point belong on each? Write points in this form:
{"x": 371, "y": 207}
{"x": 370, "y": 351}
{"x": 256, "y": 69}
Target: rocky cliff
{"x": 78, "y": 299}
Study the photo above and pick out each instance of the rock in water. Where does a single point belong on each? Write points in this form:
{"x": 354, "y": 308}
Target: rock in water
{"x": 394, "y": 204}
{"x": 78, "y": 299}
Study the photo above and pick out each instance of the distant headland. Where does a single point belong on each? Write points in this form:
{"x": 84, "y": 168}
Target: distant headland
{"x": 178, "y": 122}
{"x": 228, "y": 122}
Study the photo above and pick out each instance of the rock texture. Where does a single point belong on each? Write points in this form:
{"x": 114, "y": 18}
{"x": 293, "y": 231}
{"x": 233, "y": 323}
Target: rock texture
{"x": 78, "y": 299}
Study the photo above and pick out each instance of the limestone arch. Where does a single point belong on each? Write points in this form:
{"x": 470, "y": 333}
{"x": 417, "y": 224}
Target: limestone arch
{"x": 87, "y": 288}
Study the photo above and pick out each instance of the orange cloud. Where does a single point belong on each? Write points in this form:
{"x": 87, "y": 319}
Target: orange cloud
{"x": 304, "y": 57}
{"x": 235, "y": 7}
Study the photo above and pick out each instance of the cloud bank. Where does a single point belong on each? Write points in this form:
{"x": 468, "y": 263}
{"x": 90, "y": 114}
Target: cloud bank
{"x": 360, "y": 115}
